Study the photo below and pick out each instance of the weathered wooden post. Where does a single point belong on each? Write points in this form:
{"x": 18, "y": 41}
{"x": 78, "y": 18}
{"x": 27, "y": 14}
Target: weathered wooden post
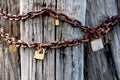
{"x": 40, "y": 29}
{"x": 70, "y": 60}
{"x": 70, "y": 63}
{"x": 60, "y": 64}
{"x": 9, "y": 63}
{"x": 103, "y": 64}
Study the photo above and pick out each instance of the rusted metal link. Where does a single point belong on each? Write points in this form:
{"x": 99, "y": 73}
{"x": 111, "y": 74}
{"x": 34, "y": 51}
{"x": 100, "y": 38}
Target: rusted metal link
{"x": 35, "y": 45}
{"x": 44, "y": 12}
{"x": 91, "y": 33}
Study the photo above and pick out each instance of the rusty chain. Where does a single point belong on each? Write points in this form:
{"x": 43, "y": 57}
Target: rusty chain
{"x": 44, "y": 12}
{"x": 91, "y": 33}
{"x": 35, "y": 45}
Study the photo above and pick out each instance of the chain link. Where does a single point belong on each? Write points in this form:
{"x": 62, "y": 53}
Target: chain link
{"x": 91, "y": 33}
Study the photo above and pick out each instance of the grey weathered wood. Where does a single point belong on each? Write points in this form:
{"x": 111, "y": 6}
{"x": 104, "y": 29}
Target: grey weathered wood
{"x": 40, "y": 29}
{"x": 101, "y": 65}
{"x": 46, "y": 31}
{"x": 118, "y": 6}
{"x": 70, "y": 60}
{"x": 65, "y": 63}
{"x": 115, "y": 41}
{"x": 9, "y": 63}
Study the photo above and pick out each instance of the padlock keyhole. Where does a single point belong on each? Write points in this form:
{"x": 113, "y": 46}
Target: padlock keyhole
{"x": 41, "y": 51}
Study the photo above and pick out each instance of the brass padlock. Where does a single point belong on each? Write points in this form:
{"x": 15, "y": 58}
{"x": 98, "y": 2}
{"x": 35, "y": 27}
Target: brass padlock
{"x": 57, "y": 22}
{"x": 39, "y": 54}
{"x": 12, "y": 48}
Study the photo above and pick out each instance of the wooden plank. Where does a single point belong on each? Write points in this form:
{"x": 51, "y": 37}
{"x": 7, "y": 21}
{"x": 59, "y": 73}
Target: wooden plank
{"x": 115, "y": 42}
{"x": 100, "y": 65}
{"x": 118, "y": 6}
{"x": 39, "y": 29}
{"x": 65, "y": 63}
{"x": 70, "y": 60}
{"x": 9, "y": 63}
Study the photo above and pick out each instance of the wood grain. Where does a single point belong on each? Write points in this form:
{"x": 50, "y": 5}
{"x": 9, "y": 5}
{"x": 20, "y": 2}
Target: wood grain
{"x": 71, "y": 63}
{"x": 101, "y": 64}
{"x": 38, "y": 29}
{"x": 70, "y": 60}
{"x": 9, "y": 63}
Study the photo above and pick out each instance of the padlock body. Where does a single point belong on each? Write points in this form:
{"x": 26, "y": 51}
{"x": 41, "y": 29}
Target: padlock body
{"x": 96, "y": 44}
{"x": 39, "y": 54}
